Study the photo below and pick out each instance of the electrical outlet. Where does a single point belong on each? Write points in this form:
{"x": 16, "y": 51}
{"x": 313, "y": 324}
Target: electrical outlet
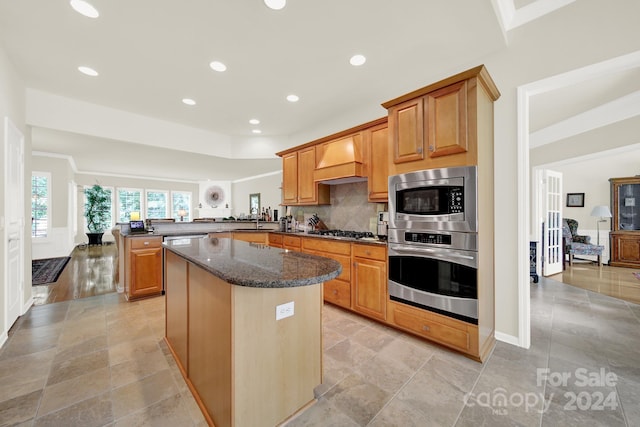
{"x": 284, "y": 310}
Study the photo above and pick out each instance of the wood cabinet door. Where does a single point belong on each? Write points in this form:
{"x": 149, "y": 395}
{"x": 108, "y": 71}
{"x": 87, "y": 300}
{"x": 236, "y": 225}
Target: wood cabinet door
{"x": 377, "y": 142}
{"x": 146, "y": 272}
{"x": 625, "y": 249}
{"x": 446, "y": 120}
{"x": 369, "y": 293}
{"x": 406, "y": 124}
{"x": 251, "y": 236}
{"x": 307, "y": 188}
{"x": 176, "y": 305}
{"x": 290, "y": 179}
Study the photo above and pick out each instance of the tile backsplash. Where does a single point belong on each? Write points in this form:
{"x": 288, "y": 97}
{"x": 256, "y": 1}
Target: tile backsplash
{"x": 349, "y": 209}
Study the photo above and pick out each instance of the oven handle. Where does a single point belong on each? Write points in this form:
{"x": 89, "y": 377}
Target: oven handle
{"x": 449, "y": 255}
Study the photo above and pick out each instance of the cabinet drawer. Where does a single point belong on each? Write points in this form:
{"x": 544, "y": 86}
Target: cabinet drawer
{"x": 146, "y": 242}
{"x": 338, "y": 292}
{"x": 327, "y": 245}
{"x": 291, "y": 241}
{"x": 427, "y": 326}
{"x": 275, "y": 239}
{"x": 370, "y": 251}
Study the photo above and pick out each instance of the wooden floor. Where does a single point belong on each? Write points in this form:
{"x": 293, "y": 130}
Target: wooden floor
{"x": 617, "y": 282}
{"x": 92, "y": 270}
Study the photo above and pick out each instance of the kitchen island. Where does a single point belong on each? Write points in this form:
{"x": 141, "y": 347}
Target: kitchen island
{"x": 243, "y": 321}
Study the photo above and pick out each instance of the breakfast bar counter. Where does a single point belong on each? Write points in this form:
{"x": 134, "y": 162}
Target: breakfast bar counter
{"x": 243, "y": 321}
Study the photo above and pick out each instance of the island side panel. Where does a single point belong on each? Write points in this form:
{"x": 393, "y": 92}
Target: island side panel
{"x": 277, "y": 363}
{"x": 176, "y": 307}
{"x": 210, "y": 367}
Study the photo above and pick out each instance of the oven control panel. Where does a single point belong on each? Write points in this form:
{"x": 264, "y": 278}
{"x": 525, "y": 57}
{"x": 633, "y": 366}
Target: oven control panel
{"x": 456, "y": 200}
{"x": 431, "y": 238}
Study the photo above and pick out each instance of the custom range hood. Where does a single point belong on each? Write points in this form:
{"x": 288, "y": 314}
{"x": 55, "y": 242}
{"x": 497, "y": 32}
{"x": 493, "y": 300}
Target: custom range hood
{"x": 340, "y": 161}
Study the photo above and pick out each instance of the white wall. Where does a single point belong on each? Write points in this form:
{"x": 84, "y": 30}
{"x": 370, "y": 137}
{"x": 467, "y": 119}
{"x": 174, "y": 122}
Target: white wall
{"x": 269, "y": 187}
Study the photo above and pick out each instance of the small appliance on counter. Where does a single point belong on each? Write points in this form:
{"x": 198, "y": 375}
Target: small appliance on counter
{"x": 383, "y": 225}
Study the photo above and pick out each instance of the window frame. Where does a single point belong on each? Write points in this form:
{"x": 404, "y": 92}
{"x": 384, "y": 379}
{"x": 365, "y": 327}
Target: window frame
{"x": 168, "y": 201}
{"x": 47, "y": 235}
{"x": 119, "y": 207}
{"x": 174, "y": 210}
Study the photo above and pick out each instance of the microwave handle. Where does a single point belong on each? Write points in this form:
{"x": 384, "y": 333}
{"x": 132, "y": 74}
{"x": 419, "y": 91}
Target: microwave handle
{"x": 442, "y": 254}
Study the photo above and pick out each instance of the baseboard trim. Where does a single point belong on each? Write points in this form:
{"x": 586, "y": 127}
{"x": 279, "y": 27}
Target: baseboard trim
{"x": 3, "y": 338}
{"x": 509, "y": 339}
{"x": 27, "y": 305}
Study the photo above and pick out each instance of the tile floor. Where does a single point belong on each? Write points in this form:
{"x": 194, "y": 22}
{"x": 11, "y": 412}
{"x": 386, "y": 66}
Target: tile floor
{"x": 101, "y": 361}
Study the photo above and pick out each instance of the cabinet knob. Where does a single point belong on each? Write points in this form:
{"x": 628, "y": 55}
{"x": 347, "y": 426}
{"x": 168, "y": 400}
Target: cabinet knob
{"x": 432, "y": 148}
{"x": 426, "y": 328}
{"x": 419, "y": 150}
{"x": 335, "y": 292}
{"x": 146, "y": 243}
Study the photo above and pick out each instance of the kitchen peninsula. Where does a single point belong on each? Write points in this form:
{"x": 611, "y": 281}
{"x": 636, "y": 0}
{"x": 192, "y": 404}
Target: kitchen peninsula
{"x": 243, "y": 321}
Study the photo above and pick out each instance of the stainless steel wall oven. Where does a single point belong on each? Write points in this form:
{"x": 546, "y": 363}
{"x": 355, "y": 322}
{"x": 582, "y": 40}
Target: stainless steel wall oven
{"x": 433, "y": 246}
{"x": 434, "y": 199}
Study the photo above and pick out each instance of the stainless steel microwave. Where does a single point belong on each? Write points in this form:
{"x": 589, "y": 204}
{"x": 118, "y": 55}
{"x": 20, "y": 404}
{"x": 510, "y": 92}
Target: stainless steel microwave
{"x": 434, "y": 199}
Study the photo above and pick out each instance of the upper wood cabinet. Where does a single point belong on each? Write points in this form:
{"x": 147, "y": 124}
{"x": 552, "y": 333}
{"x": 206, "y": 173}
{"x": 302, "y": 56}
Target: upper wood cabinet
{"x": 362, "y": 152}
{"x": 290, "y": 178}
{"x": 446, "y": 118}
{"x": 406, "y": 124}
{"x": 298, "y": 186}
{"x": 376, "y": 143}
{"x": 442, "y": 125}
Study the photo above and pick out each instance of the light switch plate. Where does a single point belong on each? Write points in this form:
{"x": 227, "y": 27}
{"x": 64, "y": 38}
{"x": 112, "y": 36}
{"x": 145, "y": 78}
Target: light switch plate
{"x": 284, "y": 310}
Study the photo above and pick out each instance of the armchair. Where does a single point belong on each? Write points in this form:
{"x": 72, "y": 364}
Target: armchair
{"x": 575, "y": 244}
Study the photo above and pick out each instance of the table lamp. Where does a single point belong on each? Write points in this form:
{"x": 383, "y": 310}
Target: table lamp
{"x": 182, "y": 213}
{"x": 602, "y": 212}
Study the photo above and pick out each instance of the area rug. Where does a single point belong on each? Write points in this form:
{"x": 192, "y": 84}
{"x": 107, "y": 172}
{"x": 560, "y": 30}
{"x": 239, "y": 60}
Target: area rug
{"x": 45, "y": 271}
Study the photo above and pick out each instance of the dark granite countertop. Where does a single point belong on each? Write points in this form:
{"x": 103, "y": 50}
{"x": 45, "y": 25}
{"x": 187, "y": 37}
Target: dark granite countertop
{"x": 254, "y": 265}
{"x": 374, "y": 241}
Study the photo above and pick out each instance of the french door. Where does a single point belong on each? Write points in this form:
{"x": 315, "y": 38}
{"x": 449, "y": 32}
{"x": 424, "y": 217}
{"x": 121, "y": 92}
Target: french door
{"x": 552, "y": 210}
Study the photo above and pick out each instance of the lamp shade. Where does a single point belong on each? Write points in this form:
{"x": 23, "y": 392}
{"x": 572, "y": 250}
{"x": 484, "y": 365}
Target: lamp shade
{"x": 182, "y": 212}
{"x": 601, "y": 211}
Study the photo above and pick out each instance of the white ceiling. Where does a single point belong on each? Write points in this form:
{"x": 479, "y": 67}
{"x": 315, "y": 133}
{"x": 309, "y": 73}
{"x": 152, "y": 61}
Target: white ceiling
{"x": 152, "y": 53}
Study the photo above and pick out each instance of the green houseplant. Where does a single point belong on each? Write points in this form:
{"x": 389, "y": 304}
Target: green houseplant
{"x": 97, "y": 211}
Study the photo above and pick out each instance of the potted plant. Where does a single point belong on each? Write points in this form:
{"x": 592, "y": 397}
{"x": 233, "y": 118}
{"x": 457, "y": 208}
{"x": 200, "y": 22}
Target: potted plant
{"x": 97, "y": 210}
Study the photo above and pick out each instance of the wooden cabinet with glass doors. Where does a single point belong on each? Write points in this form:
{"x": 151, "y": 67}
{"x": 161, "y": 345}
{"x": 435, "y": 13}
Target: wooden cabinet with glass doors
{"x": 625, "y": 224}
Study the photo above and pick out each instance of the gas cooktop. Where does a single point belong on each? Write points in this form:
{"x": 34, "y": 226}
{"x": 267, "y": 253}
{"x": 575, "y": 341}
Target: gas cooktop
{"x": 344, "y": 233}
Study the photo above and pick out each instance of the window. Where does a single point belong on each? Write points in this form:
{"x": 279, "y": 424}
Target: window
{"x": 157, "y": 204}
{"x": 181, "y": 200}
{"x": 129, "y": 200}
{"x": 40, "y": 192}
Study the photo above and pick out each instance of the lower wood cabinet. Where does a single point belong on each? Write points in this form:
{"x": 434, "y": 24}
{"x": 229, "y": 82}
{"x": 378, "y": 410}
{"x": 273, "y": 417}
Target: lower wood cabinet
{"x": 369, "y": 285}
{"x": 445, "y": 330}
{"x": 251, "y": 236}
{"x": 143, "y": 266}
{"x": 275, "y": 240}
{"x": 625, "y": 249}
{"x": 338, "y": 290}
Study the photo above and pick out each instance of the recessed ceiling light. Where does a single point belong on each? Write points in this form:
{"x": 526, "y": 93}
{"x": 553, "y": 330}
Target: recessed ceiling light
{"x": 256, "y": 131}
{"x": 293, "y": 98}
{"x": 218, "y": 66}
{"x": 254, "y": 121}
{"x": 88, "y": 71}
{"x": 357, "y": 60}
{"x": 275, "y": 4}
{"x": 84, "y": 8}
{"x": 188, "y": 101}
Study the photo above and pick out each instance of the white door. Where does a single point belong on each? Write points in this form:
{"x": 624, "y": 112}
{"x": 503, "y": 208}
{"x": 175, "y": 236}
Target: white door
{"x": 14, "y": 230}
{"x": 552, "y": 210}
